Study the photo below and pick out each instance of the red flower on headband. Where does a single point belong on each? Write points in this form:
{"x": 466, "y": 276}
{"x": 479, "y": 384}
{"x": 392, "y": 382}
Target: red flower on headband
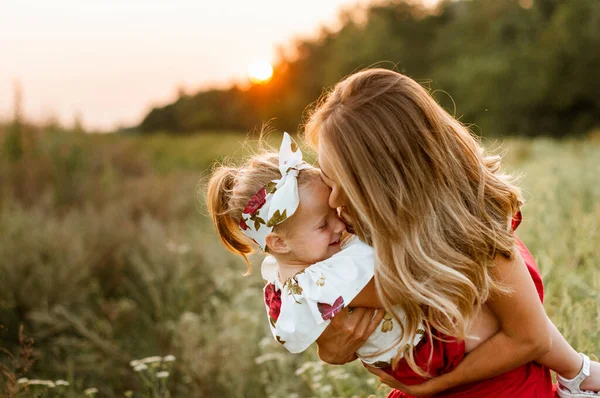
{"x": 243, "y": 224}
{"x": 256, "y": 202}
{"x": 329, "y": 311}
{"x": 273, "y": 301}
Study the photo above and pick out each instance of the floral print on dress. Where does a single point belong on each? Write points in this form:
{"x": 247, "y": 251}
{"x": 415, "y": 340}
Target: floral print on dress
{"x": 329, "y": 311}
{"x": 381, "y": 364}
{"x": 293, "y": 286}
{"x": 387, "y": 324}
{"x": 273, "y": 301}
{"x": 321, "y": 281}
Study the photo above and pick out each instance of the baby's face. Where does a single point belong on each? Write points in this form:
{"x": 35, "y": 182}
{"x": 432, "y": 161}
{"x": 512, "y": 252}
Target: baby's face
{"x": 316, "y": 230}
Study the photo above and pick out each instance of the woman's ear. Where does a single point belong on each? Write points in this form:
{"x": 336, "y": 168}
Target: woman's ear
{"x": 276, "y": 244}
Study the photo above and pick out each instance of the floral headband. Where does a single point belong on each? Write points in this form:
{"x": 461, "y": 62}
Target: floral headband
{"x": 279, "y": 199}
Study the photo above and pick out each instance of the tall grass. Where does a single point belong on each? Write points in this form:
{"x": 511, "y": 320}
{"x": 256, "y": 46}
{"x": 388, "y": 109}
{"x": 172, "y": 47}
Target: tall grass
{"x": 106, "y": 255}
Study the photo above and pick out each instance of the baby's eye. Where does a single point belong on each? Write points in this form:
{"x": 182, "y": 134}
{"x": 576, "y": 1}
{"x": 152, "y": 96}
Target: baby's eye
{"x": 323, "y": 225}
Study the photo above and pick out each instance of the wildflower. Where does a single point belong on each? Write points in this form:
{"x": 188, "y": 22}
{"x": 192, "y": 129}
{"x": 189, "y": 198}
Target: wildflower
{"x": 169, "y": 358}
{"x": 23, "y": 380}
{"x": 128, "y": 393}
{"x": 162, "y": 375}
{"x": 47, "y": 383}
{"x": 151, "y": 359}
{"x": 140, "y": 367}
{"x": 91, "y": 391}
{"x": 134, "y": 363}
{"x": 61, "y": 383}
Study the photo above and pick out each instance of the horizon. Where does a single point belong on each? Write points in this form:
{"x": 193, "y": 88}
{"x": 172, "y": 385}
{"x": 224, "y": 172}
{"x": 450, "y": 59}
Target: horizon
{"x": 95, "y": 61}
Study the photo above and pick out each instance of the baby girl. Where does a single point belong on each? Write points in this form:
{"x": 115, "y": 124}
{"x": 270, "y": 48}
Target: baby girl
{"x": 314, "y": 269}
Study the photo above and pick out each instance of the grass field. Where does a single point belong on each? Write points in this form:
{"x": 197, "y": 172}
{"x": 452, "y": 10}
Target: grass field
{"x": 107, "y": 256}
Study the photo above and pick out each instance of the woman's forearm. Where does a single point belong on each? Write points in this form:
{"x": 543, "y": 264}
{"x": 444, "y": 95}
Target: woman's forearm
{"x": 495, "y": 356}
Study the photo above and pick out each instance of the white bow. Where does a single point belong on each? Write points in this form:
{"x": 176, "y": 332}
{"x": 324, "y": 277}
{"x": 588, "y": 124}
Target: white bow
{"x": 279, "y": 199}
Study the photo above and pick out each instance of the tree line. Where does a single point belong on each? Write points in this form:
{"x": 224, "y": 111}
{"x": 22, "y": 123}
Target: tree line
{"x": 520, "y": 67}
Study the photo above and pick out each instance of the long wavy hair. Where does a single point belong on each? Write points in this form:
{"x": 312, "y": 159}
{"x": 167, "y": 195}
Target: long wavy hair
{"x": 422, "y": 191}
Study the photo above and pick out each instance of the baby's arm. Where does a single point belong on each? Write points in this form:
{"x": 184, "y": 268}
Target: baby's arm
{"x": 367, "y": 297}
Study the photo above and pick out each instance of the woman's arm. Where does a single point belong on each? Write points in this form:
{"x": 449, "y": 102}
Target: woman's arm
{"x": 346, "y": 333}
{"x": 523, "y": 336}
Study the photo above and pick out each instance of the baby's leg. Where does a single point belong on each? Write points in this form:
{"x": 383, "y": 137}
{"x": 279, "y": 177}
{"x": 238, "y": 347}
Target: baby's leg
{"x": 485, "y": 325}
{"x": 565, "y": 361}
{"x": 561, "y": 358}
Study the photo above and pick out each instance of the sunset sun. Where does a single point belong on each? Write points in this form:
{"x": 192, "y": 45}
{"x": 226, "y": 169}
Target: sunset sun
{"x": 260, "y": 72}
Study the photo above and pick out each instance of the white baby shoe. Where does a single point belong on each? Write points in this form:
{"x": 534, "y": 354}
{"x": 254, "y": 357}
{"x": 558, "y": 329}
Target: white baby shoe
{"x": 571, "y": 388}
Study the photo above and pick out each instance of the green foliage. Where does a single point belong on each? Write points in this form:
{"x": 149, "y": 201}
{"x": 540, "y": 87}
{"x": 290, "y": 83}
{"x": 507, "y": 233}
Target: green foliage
{"x": 508, "y": 69}
{"x": 106, "y": 256}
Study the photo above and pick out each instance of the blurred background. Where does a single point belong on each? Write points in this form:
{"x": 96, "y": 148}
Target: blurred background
{"x": 112, "y": 113}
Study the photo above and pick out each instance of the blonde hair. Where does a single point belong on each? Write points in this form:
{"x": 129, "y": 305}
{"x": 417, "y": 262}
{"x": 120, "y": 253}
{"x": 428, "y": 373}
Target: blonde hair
{"x": 423, "y": 193}
{"x": 229, "y": 190}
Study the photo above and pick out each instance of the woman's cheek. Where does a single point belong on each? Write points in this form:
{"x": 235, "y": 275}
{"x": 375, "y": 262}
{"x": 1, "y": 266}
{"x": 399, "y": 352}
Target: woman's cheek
{"x": 335, "y": 199}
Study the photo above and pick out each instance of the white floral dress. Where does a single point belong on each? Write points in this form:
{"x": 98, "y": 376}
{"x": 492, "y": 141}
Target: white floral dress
{"x": 300, "y": 309}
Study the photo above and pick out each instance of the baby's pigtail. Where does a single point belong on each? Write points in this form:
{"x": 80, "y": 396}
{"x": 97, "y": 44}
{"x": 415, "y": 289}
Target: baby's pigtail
{"x": 219, "y": 194}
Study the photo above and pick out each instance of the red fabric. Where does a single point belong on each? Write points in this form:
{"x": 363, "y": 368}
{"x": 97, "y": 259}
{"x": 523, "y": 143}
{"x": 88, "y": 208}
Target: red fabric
{"x": 527, "y": 381}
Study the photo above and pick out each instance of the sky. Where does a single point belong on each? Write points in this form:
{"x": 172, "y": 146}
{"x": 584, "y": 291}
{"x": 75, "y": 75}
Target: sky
{"x": 110, "y": 61}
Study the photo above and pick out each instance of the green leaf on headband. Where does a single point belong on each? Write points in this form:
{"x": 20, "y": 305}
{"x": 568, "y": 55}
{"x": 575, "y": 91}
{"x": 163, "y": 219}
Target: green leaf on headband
{"x": 257, "y": 221}
{"x": 277, "y": 218}
{"x": 271, "y": 187}
{"x": 294, "y": 146}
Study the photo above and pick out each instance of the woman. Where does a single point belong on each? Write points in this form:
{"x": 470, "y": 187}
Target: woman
{"x": 418, "y": 187}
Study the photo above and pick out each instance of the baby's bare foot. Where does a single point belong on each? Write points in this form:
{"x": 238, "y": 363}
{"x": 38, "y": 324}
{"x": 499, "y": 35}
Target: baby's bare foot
{"x": 592, "y": 382}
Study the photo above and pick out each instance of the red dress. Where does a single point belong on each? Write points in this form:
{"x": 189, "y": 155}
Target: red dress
{"x": 527, "y": 381}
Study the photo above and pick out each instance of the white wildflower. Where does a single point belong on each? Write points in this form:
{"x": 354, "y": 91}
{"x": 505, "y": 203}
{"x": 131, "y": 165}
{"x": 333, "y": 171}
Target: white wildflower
{"x": 305, "y": 366}
{"x": 91, "y": 391}
{"x": 151, "y": 359}
{"x": 169, "y": 358}
{"x": 23, "y": 380}
{"x": 61, "y": 383}
{"x": 269, "y": 356}
{"x": 162, "y": 375}
{"x": 47, "y": 383}
{"x": 140, "y": 367}
{"x": 134, "y": 363}
{"x": 174, "y": 247}
{"x": 326, "y": 389}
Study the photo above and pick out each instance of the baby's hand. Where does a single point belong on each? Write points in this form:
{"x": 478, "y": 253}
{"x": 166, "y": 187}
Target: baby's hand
{"x": 347, "y": 331}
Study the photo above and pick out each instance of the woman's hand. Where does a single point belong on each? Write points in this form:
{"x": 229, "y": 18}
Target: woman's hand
{"x": 345, "y": 334}
{"x": 429, "y": 387}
